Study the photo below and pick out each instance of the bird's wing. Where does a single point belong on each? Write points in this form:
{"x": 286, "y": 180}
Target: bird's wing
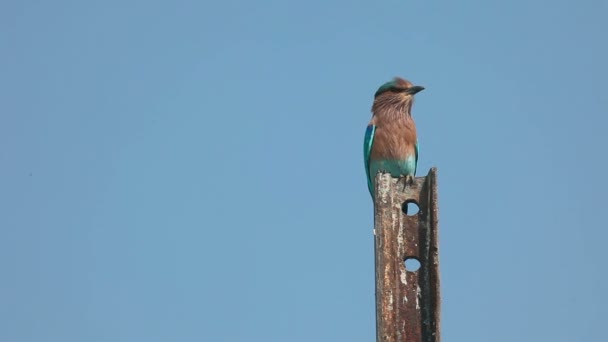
{"x": 367, "y": 149}
{"x": 417, "y": 151}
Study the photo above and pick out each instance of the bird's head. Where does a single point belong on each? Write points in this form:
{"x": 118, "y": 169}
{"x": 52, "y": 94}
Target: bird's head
{"x": 395, "y": 97}
{"x": 400, "y": 87}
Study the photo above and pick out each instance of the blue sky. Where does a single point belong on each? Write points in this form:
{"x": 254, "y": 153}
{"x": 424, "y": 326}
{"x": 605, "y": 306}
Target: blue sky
{"x": 192, "y": 170}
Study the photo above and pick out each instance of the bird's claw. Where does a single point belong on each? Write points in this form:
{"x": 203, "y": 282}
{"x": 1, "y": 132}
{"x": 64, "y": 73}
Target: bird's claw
{"x": 407, "y": 180}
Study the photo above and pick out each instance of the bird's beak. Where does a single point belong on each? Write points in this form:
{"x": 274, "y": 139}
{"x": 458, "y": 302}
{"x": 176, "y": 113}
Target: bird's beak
{"x": 414, "y": 89}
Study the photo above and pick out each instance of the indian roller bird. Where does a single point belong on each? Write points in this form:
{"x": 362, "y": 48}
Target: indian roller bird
{"x": 391, "y": 143}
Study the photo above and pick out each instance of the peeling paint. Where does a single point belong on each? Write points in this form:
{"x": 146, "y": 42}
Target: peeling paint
{"x": 417, "y": 297}
{"x": 400, "y": 238}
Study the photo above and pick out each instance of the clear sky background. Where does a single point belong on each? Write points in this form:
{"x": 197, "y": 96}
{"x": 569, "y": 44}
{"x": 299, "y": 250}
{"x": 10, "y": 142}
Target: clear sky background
{"x": 192, "y": 170}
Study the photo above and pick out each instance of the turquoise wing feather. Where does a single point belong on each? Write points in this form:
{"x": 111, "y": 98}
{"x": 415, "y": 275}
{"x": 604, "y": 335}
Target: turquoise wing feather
{"x": 417, "y": 151}
{"x": 367, "y": 149}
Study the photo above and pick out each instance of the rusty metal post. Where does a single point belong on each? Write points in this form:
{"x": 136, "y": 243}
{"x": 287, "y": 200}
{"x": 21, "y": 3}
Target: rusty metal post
{"x": 407, "y": 302}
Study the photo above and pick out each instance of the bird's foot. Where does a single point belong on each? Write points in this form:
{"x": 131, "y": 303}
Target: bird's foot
{"x": 408, "y": 180}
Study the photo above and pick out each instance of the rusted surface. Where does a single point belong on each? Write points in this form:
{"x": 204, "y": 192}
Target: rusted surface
{"x": 407, "y": 303}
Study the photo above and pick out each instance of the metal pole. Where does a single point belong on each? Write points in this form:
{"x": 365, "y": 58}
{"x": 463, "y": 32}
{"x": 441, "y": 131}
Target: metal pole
{"x": 407, "y": 301}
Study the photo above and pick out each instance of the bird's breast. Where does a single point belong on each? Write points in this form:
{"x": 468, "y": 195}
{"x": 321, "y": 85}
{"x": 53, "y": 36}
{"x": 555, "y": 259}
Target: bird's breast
{"x": 394, "y": 140}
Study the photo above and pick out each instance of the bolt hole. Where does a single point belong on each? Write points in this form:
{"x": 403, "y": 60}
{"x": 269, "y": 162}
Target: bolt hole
{"x": 410, "y": 208}
{"x": 411, "y": 264}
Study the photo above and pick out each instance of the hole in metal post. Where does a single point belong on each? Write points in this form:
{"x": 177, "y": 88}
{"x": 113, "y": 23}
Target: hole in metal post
{"x": 411, "y": 264}
{"x": 410, "y": 208}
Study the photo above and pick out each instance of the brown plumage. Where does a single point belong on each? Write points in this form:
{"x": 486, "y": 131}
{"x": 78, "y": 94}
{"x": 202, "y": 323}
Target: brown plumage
{"x": 395, "y": 136}
{"x": 391, "y": 142}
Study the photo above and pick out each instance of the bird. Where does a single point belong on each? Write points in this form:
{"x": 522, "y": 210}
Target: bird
{"x": 391, "y": 143}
